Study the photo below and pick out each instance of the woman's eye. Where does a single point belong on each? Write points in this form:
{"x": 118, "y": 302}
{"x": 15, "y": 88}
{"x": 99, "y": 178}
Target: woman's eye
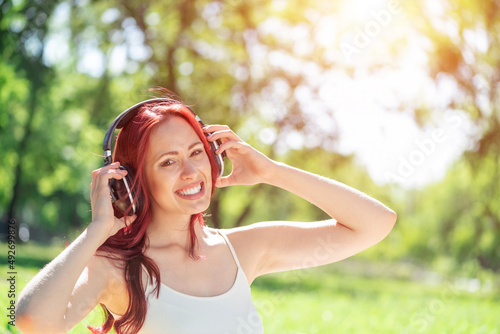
{"x": 167, "y": 163}
{"x": 196, "y": 152}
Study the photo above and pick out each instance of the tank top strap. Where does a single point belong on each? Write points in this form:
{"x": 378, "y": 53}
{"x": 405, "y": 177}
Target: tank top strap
{"x": 231, "y": 248}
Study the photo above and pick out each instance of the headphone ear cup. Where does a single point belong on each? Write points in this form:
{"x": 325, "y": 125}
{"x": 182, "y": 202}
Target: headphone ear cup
{"x": 219, "y": 158}
{"x": 122, "y": 193}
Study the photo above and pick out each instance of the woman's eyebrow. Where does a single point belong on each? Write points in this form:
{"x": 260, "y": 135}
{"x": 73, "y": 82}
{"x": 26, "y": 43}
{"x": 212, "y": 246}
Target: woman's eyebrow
{"x": 176, "y": 152}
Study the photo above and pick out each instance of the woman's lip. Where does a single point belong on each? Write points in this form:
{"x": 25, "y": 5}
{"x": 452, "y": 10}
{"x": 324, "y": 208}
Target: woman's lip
{"x": 199, "y": 194}
{"x": 189, "y": 186}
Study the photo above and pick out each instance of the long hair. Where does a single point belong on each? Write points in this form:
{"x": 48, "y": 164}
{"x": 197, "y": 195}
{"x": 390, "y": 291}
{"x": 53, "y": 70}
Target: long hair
{"x": 128, "y": 245}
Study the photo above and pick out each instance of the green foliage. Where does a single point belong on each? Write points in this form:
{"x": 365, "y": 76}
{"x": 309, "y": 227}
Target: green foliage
{"x": 13, "y": 91}
{"x": 461, "y": 219}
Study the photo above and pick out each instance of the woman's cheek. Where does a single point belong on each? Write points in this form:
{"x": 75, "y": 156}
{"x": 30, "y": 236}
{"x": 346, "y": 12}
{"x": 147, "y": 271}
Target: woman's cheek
{"x": 154, "y": 185}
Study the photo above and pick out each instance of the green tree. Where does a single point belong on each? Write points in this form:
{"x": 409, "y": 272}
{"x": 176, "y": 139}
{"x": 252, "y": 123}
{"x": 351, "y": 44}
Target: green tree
{"x": 464, "y": 48}
{"x": 23, "y": 28}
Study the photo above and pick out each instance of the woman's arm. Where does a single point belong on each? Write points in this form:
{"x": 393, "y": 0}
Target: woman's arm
{"x": 358, "y": 221}
{"x": 45, "y": 302}
{"x": 71, "y": 285}
{"x": 348, "y": 206}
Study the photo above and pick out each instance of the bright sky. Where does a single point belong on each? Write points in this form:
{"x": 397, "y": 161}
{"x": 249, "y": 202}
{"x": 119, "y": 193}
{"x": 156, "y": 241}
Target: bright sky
{"x": 387, "y": 141}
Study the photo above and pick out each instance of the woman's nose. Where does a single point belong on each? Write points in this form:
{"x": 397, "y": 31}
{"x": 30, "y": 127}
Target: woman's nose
{"x": 188, "y": 170}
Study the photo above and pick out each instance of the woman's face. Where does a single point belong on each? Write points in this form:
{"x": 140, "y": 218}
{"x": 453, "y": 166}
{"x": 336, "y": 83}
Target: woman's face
{"x": 178, "y": 171}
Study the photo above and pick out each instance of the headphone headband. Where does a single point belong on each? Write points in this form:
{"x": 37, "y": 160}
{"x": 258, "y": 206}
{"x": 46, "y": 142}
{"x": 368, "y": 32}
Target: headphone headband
{"x": 123, "y": 119}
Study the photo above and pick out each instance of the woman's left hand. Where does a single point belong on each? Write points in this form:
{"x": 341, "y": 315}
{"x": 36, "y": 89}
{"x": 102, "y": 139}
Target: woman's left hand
{"x": 249, "y": 165}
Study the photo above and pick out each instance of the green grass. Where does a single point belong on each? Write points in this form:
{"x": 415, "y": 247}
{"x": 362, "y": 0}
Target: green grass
{"x": 352, "y": 296}
{"x": 326, "y": 301}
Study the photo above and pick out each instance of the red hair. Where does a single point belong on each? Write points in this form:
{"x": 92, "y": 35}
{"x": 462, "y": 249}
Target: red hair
{"x": 129, "y": 244}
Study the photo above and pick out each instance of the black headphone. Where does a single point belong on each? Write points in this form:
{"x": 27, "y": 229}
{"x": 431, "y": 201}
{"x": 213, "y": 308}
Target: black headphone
{"x": 121, "y": 190}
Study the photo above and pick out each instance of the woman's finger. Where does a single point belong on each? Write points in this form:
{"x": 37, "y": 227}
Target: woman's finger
{"x": 224, "y": 135}
{"x": 223, "y": 182}
{"x": 101, "y": 177}
{"x": 106, "y": 174}
{"x": 215, "y": 127}
{"x": 216, "y": 132}
{"x": 230, "y": 144}
{"x": 96, "y": 172}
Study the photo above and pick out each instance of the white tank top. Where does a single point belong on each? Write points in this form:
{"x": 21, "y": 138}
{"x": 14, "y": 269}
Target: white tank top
{"x": 232, "y": 312}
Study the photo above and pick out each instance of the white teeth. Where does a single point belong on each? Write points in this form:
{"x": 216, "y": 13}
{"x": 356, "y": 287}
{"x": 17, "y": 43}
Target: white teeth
{"x": 191, "y": 191}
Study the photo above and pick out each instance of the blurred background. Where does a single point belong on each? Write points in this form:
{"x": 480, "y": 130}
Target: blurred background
{"x": 400, "y": 99}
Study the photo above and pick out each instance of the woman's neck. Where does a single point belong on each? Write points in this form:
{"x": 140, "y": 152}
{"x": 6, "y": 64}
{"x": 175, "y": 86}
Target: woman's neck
{"x": 167, "y": 230}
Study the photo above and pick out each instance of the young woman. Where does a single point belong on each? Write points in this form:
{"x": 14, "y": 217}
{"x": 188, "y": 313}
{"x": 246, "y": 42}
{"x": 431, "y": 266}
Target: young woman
{"x": 161, "y": 269}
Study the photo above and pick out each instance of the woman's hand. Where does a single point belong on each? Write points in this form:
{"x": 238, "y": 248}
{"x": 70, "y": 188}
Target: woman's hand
{"x": 103, "y": 218}
{"x": 249, "y": 165}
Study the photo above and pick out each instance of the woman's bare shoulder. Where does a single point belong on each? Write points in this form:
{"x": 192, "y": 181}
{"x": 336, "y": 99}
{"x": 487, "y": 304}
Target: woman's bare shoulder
{"x": 248, "y": 232}
{"x": 245, "y": 241}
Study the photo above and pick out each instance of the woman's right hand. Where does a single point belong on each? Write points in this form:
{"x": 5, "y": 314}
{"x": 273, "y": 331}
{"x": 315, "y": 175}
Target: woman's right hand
{"x": 103, "y": 218}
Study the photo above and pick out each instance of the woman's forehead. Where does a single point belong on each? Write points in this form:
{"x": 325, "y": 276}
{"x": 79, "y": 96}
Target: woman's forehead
{"x": 174, "y": 133}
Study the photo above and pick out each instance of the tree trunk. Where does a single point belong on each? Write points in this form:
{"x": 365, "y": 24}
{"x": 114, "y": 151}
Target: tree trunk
{"x": 18, "y": 170}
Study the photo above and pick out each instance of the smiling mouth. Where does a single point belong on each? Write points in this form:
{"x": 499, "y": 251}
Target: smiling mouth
{"x": 193, "y": 192}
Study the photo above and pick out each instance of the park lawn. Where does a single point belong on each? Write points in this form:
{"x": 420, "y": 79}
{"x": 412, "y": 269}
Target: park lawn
{"x": 324, "y": 301}
{"x": 329, "y": 299}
